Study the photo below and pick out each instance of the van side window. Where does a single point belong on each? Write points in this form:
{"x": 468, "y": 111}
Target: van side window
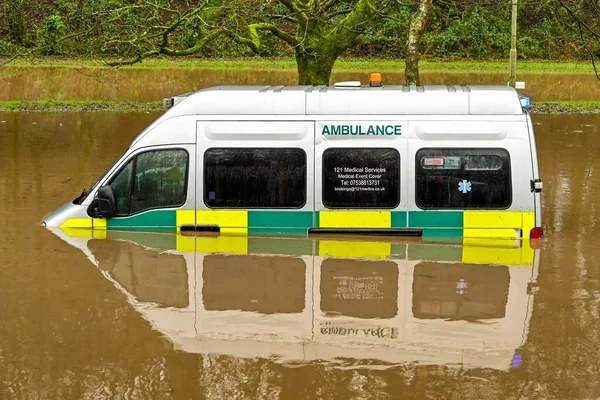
{"x": 255, "y": 178}
{"x": 361, "y": 178}
{"x": 154, "y": 179}
{"x": 463, "y": 179}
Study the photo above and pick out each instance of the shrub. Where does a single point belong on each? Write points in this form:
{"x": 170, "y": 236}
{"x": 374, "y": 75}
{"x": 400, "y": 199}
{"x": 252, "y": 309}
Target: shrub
{"x": 51, "y": 30}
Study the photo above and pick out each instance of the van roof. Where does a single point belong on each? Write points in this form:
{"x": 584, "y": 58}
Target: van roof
{"x": 363, "y": 100}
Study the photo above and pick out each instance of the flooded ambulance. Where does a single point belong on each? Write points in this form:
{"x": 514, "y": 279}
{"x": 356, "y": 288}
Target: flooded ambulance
{"x": 427, "y": 161}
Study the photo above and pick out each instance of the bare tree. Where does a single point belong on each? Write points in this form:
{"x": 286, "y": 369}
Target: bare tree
{"x": 586, "y": 16}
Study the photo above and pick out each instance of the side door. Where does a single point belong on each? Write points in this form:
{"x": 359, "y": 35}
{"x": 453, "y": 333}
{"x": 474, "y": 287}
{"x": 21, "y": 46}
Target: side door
{"x": 255, "y": 177}
{"x": 360, "y": 177}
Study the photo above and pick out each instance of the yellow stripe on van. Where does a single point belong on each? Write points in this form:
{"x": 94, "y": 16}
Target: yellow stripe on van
{"x": 528, "y": 223}
{"x": 349, "y": 249}
{"x": 230, "y": 222}
{"x": 223, "y": 244}
{"x": 77, "y": 223}
{"x": 492, "y": 243}
{"x": 492, "y": 233}
{"x": 184, "y": 217}
{"x": 99, "y": 228}
{"x": 355, "y": 219}
{"x": 99, "y": 223}
{"x": 492, "y": 224}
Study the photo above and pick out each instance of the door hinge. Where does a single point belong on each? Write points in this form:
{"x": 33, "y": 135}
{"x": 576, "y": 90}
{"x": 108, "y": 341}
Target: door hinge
{"x": 536, "y": 185}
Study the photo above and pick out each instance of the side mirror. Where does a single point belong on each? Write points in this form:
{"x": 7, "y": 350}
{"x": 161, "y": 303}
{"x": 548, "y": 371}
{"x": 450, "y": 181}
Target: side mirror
{"x": 104, "y": 205}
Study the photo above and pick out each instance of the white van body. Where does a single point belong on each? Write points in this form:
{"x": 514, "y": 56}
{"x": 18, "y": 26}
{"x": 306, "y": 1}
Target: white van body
{"x": 437, "y": 161}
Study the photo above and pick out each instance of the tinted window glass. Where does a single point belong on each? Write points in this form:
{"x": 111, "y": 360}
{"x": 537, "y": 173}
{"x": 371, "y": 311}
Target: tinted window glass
{"x": 361, "y": 178}
{"x": 463, "y": 178}
{"x": 160, "y": 179}
{"x": 121, "y": 187}
{"x": 255, "y": 178}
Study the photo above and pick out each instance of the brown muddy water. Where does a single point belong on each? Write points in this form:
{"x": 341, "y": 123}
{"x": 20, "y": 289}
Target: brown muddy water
{"x": 121, "y": 320}
{"x": 43, "y": 83}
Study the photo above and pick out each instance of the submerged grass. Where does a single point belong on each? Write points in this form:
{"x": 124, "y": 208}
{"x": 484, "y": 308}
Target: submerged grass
{"x": 350, "y": 65}
{"x": 549, "y": 107}
{"x": 566, "y": 107}
{"x": 80, "y": 106}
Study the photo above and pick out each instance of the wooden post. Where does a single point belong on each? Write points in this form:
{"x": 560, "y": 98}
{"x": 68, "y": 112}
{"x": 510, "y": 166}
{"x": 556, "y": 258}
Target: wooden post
{"x": 512, "y": 81}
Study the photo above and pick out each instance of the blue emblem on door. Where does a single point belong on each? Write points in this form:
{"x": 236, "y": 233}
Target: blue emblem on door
{"x": 464, "y": 186}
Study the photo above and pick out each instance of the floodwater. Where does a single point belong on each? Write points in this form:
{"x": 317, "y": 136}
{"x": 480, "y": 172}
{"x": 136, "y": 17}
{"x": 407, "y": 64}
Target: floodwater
{"x": 21, "y": 83}
{"x": 130, "y": 317}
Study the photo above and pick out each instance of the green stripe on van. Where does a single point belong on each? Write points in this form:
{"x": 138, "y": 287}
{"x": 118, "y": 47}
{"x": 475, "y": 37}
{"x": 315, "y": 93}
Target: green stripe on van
{"x": 153, "y": 220}
{"x": 280, "y": 222}
{"x": 435, "y": 219}
{"x": 399, "y": 219}
{"x": 442, "y": 233}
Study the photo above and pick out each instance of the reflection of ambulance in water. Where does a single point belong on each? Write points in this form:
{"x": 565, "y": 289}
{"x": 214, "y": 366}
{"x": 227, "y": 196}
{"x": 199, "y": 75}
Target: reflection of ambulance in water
{"x": 302, "y": 300}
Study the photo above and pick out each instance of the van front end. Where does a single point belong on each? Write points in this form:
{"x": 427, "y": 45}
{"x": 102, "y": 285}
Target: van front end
{"x": 69, "y": 216}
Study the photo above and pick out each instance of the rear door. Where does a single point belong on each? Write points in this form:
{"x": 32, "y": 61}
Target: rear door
{"x": 471, "y": 179}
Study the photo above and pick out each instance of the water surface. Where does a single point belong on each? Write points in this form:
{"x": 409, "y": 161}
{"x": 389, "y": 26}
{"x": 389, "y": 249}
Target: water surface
{"x": 69, "y": 327}
{"x": 58, "y": 83}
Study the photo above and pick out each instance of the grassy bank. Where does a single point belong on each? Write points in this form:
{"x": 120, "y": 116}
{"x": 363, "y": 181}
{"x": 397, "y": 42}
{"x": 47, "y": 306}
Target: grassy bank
{"x": 350, "y": 65}
{"x": 551, "y": 107}
{"x": 80, "y": 106}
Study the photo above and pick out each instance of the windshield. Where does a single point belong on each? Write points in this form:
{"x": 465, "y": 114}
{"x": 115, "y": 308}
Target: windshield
{"x": 79, "y": 199}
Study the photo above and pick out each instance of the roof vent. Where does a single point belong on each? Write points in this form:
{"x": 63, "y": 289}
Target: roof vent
{"x": 349, "y": 84}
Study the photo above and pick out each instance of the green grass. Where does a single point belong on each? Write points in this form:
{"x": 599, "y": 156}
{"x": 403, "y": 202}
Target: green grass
{"x": 364, "y": 65}
{"x": 548, "y": 107}
{"x": 566, "y": 107}
{"x": 80, "y": 106}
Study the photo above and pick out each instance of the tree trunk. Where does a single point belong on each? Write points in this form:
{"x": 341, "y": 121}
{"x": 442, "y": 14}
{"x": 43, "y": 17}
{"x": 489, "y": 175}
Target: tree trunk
{"x": 314, "y": 69}
{"x": 418, "y": 22}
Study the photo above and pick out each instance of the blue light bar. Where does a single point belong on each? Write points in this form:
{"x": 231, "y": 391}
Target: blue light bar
{"x": 525, "y": 102}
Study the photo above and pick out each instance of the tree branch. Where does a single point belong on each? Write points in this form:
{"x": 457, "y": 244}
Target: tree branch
{"x": 578, "y": 19}
{"x": 284, "y": 17}
{"x": 286, "y": 37}
{"x": 340, "y": 12}
{"x": 588, "y": 51}
{"x": 342, "y": 36}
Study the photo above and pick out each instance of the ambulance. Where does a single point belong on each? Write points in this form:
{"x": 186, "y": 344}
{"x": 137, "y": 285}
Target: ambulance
{"x": 347, "y": 159}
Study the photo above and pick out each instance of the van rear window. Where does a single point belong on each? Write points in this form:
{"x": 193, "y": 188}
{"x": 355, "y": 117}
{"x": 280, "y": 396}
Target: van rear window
{"x": 463, "y": 179}
{"x": 255, "y": 178}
